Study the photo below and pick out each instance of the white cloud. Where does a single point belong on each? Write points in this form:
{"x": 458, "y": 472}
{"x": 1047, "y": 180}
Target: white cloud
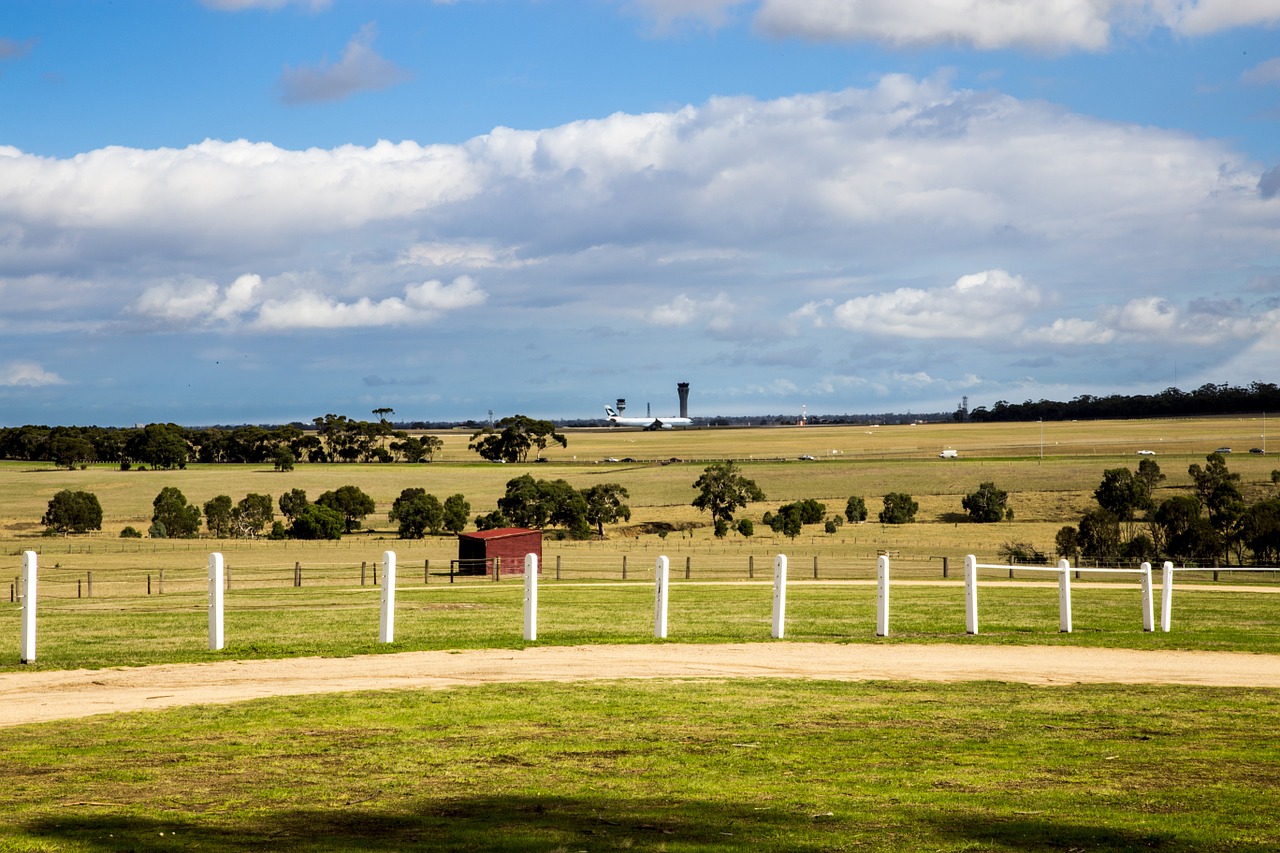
{"x": 1071, "y": 332}
{"x": 1264, "y": 73}
{"x": 178, "y": 302}
{"x": 1201, "y": 17}
{"x": 434, "y": 297}
{"x": 729, "y": 214}
{"x": 422, "y": 303}
{"x": 240, "y": 297}
{"x": 360, "y": 69}
{"x": 1053, "y": 25}
{"x": 1150, "y": 316}
{"x": 684, "y": 310}
{"x": 986, "y": 304}
{"x": 27, "y": 374}
{"x": 467, "y": 255}
{"x": 1045, "y": 25}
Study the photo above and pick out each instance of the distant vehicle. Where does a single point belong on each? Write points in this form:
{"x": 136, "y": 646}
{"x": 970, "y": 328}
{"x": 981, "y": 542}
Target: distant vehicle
{"x": 627, "y": 459}
{"x": 609, "y": 459}
{"x": 1223, "y": 450}
{"x": 1146, "y": 453}
{"x": 948, "y": 454}
{"x": 805, "y": 457}
{"x": 1256, "y": 450}
{"x": 645, "y": 423}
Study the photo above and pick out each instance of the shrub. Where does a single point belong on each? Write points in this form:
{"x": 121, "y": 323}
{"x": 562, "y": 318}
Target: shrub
{"x": 1022, "y": 552}
{"x": 131, "y": 533}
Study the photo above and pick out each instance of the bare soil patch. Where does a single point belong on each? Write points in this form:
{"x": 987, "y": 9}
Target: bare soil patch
{"x": 30, "y": 697}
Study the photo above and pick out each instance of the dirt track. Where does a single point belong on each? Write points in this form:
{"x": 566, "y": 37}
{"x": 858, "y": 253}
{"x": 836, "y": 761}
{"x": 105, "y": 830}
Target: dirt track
{"x": 29, "y": 697}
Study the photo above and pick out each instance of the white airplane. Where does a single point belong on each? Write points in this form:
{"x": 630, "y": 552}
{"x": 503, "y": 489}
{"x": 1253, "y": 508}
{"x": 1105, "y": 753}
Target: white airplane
{"x": 645, "y": 423}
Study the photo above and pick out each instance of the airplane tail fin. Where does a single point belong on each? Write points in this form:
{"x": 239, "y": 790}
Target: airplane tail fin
{"x": 609, "y": 412}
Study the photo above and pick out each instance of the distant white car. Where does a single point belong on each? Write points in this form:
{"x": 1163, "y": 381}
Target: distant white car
{"x": 805, "y": 457}
{"x": 948, "y": 454}
{"x": 1146, "y": 453}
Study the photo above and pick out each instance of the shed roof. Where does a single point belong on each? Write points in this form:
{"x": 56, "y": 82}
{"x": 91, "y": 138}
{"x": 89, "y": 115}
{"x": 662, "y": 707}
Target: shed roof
{"x": 499, "y": 533}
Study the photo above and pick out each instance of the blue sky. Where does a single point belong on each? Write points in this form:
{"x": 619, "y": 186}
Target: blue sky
{"x": 262, "y": 211}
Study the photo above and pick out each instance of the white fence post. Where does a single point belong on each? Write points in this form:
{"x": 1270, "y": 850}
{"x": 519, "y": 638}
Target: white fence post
{"x": 530, "y": 597}
{"x": 27, "y": 652}
{"x": 1148, "y": 613}
{"x": 882, "y": 596}
{"x": 216, "y": 575}
{"x": 661, "y": 574}
{"x": 1064, "y": 596}
{"x": 387, "y": 624}
{"x": 1166, "y": 596}
{"x": 779, "y": 596}
{"x": 971, "y": 594}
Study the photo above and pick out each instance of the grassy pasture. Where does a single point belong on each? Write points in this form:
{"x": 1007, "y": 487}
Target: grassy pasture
{"x": 666, "y": 766}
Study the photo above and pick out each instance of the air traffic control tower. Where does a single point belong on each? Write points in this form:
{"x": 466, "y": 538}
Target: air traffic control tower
{"x": 682, "y": 388}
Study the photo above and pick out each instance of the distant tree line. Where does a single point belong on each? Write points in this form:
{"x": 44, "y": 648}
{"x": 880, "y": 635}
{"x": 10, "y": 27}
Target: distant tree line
{"x": 1206, "y": 400}
{"x": 334, "y": 438}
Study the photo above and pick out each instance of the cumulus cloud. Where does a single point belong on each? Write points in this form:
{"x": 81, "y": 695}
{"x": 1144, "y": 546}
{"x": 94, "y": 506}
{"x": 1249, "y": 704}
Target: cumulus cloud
{"x": 845, "y": 169}
{"x": 467, "y": 255}
{"x": 985, "y": 304}
{"x": 1264, "y": 73}
{"x": 1201, "y": 17}
{"x": 27, "y": 374}
{"x": 360, "y": 69}
{"x": 1057, "y": 26}
{"x": 422, "y": 303}
{"x": 984, "y": 24}
{"x": 784, "y": 198}
{"x": 1071, "y": 331}
{"x": 178, "y": 302}
{"x": 684, "y": 310}
{"x": 202, "y": 303}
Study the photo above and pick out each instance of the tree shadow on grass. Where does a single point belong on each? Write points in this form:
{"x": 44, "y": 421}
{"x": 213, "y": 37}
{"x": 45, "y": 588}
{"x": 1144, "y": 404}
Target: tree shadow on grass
{"x": 477, "y": 823}
{"x": 1029, "y": 834}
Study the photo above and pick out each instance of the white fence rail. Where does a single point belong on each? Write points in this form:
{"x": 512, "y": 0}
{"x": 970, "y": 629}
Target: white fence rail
{"x": 1063, "y": 571}
{"x": 219, "y": 582}
{"x": 1166, "y": 591}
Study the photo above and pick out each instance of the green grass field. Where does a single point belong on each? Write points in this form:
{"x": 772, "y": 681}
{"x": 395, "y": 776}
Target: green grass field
{"x": 696, "y": 766}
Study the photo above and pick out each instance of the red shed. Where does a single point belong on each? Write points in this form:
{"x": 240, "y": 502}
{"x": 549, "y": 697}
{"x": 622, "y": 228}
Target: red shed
{"x": 476, "y": 551}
